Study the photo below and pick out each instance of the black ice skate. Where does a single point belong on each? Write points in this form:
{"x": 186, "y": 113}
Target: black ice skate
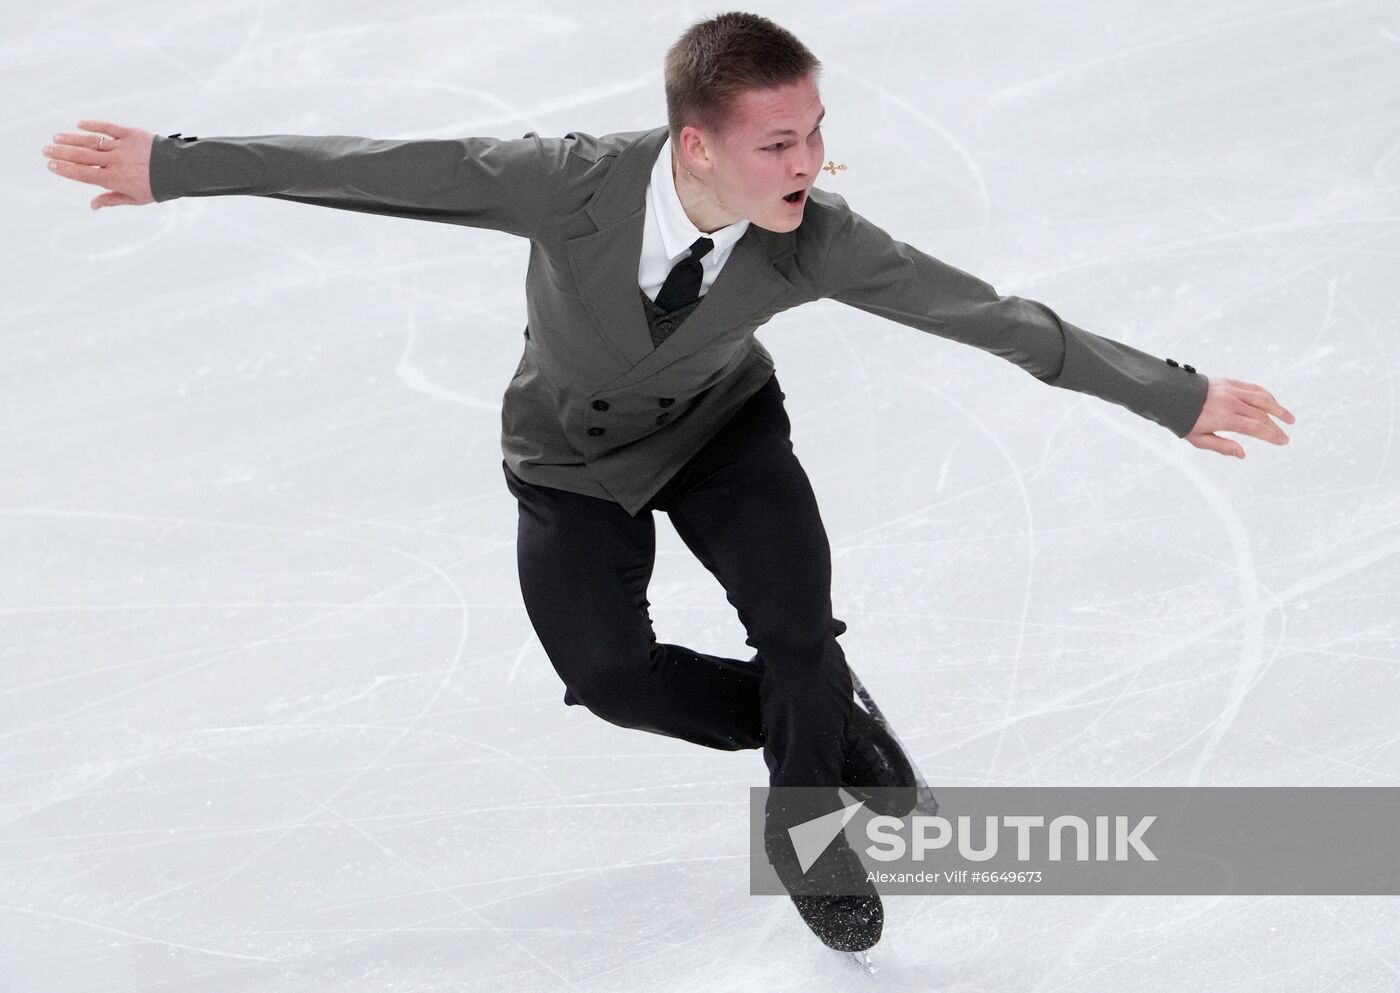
{"x": 836, "y": 900}
{"x": 876, "y": 771}
{"x": 876, "y": 760}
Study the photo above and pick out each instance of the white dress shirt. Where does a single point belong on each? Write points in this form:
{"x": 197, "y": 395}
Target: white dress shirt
{"x": 668, "y": 233}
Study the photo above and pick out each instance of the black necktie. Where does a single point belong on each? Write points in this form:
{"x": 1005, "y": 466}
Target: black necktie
{"x": 682, "y": 286}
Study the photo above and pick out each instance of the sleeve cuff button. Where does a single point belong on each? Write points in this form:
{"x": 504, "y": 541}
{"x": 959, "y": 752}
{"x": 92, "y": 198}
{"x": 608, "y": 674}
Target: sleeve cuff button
{"x": 1172, "y": 363}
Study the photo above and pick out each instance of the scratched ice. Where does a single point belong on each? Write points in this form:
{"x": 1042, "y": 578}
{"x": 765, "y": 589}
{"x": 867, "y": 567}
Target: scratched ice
{"x": 273, "y": 716}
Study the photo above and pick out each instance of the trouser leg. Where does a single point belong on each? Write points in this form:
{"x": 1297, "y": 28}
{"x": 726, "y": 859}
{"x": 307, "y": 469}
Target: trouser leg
{"x": 584, "y": 565}
{"x": 747, "y": 510}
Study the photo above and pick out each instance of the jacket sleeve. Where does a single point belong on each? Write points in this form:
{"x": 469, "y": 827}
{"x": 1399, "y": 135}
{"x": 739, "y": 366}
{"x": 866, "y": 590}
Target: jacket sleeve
{"x": 503, "y": 184}
{"x": 867, "y": 269}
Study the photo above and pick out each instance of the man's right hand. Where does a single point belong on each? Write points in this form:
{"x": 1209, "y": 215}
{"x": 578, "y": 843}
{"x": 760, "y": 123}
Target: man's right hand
{"x": 114, "y": 157}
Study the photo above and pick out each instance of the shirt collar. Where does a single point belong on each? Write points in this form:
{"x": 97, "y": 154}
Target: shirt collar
{"x": 677, "y": 231}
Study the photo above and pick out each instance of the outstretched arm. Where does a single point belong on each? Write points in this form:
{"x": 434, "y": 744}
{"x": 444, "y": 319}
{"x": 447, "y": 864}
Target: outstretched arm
{"x": 502, "y": 184}
{"x": 867, "y": 269}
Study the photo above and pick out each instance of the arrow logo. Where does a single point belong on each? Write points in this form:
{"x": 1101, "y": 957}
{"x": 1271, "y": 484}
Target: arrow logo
{"x": 811, "y": 838}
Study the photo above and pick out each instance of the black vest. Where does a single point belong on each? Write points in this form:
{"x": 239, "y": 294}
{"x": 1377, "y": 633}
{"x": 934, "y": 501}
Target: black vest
{"x": 661, "y": 322}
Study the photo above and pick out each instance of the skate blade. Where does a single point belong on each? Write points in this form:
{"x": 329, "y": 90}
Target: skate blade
{"x": 927, "y": 803}
{"x": 862, "y": 961}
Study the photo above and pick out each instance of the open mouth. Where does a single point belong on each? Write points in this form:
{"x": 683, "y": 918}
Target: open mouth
{"x": 795, "y": 197}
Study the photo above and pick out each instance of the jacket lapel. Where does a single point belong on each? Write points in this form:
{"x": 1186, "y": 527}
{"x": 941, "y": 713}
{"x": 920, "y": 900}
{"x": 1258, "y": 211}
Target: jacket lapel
{"x": 605, "y": 262}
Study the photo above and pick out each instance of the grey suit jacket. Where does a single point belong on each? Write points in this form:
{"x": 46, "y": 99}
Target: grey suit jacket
{"x": 593, "y": 406}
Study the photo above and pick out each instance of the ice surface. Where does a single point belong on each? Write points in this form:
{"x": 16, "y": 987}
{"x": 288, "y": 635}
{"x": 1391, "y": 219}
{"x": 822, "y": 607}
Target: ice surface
{"x": 273, "y": 715}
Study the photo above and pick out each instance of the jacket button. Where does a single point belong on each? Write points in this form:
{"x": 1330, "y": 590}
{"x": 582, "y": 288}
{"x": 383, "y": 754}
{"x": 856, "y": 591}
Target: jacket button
{"x": 667, "y": 401}
{"x": 1189, "y": 368}
{"x": 600, "y": 405}
{"x": 1172, "y": 363}
{"x": 595, "y": 431}
{"x": 663, "y": 418}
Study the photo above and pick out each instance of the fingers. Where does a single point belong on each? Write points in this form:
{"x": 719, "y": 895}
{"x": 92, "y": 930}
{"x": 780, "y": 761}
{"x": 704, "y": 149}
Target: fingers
{"x": 1247, "y": 408}
{"x": 1262, "y": 398}
{"x": 76, "y": 170}
{"x": 87, "y": 149}
{"x": 1277, "y": 409}
{"x": 112, "y": 200}
{"x": 80, "y": 156}
{"x": 103, "y": 127}
{"x": 1215, "y": 443}
{"x": 1248, "y": 414}
{"x": 1253, "y": 414}
{"x": 75, "y": 153}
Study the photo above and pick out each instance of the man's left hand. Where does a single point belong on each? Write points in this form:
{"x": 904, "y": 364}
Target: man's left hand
{"x": 1243, "y": 408}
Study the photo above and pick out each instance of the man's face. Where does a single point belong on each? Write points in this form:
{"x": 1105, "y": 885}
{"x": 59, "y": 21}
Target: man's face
{"x": 772, "y": 147}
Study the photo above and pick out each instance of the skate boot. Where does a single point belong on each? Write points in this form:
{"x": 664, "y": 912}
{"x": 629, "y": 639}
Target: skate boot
{"x": 875, "y": 760}
{"x": 834, "y": 898}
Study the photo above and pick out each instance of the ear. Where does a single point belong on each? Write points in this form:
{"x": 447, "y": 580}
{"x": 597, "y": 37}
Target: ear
{"x": 694, "y": 151}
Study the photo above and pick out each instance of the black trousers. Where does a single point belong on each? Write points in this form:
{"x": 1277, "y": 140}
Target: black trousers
{"x": 744, "y": 506}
